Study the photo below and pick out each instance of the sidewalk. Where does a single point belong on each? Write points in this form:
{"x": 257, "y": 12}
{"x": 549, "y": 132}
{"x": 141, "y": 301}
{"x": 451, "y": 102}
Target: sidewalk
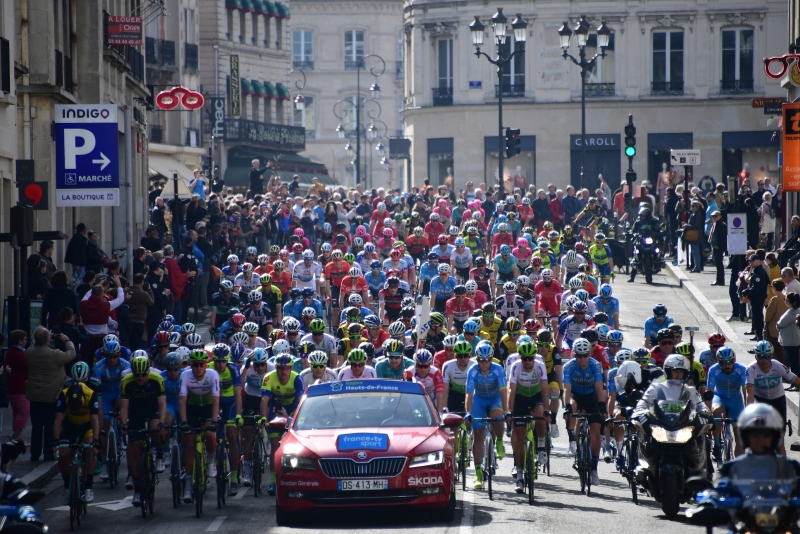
{"x": 35, "y": 474}
{"x": 716, "y": 304}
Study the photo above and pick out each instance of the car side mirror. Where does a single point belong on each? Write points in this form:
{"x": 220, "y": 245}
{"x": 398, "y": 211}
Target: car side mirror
{"x": 451, "y": 420}
{"x": 279, "y": 423}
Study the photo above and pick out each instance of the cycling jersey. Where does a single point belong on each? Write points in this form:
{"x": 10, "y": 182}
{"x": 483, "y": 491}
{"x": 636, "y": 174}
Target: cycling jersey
{"x": 460, "y": 312}
{"x": 375, "y": 284}
{"x": 609, "y": 307}
{"x": 346, "y": 374}
{"x": 488, "y": 385}
{"x": 143, "y": 399}
{"x": 548, "y": 258}
{"x": 443, "y": 290}
{"x": 453, "y": 375}
{"x": 444, "y": 255}
{"x": 491, "y": 330}
{"x": 523, "y": 256}
{"x": 505, "y": 348}
{"x": 509, "y": 307}
{"x": 433, "y": 229}
{"x": 651, "y": 327}
{"x": 229, "y": 379}
{"x": 172, "y": 389}
{"x": 461, "y": 260}
{"x": 432, "y": 383}
{"x": 473, "y": 244}
{"x": 727, "y": 385}
{"x": 392, "y": 304}
{"x": 529, "y": 383}
{"x": 583, "y": 380}
{"x": 384, "y": 370}
{"x": 282, "y": 280}
{"x": 246, "y": 286}
{"x": 571, "y": 329}
{"x": 482, "y": 279}
{"x": 600, "y": 254}
{"x": 363, "y": 260}
{"x": 500, "y": 239}
{"x": 306, "y": 276}
{"x": 110, "y": 379}
{"x": 335, "y": 274}
{"x": 199, "y": 391}
{"x": 551, "y": 359}
{"x": 416, "y": 245}
{"x": 504, "y": 266}
{"x": 253, "y": 380}
{"x": 231, "y": 274}
{"x": 769, "y": 385}
{"x": 223, "y": 306}
{"x": 328, "y": 343}
{"x": 548, "y": 297}
{"x": 286, "y": 395}
{"x": 328, "y": 375}
{"x": 400, "y": 266}
{"x": 272, "y": 296}
{"x": 90, "y": 406}
{"x": 124, "y": 354}
{"x": 261, "y": 316}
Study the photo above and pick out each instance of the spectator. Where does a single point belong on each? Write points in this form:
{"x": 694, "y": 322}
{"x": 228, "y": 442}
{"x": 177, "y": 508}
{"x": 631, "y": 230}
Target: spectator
{"x": 96, "y": 258}
{"x": 156, "y": 280}
{"x": 767, "y": 218}
{"x": 46, "y": 248}
{"x": 37, "y": 277}
{"x": 792, "y": 284}
{"x": 17, "y": 367}
{"x": 45, "y": 381}
{"x": 139, "y": 256}
{"x": 58, "y": 296}
{"x": 76, "y": 333}
{"x": 141, "y": 298}
{"x": 718, "y": 237}
{"x": 178, "y": 282}
{"x": 198, "y": 184}
{"x": 776, "y": 307}
{"x": 557, "y": 210}
{"x": 571, "y": 205}
{"x": 89, "y": 279}
{"x": 158, "y": 218}
{"x": 152, "y": 238}
{"x": 76, "y": 253}
{"x": 789, "y": 332}
{"x": 756, "y": 292}
{"x": 256, "y": 179}
{"x": 696, "y": 223}
{"x": 95, "y": 313}
{"x": 295, "y": 185}
{"x": 790, "y": 251}
{"x": 204, "y": 252}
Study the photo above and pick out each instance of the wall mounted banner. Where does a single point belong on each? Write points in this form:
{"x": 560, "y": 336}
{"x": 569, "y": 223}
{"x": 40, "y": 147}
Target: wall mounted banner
{"x": 235, "y": 88}
{"x": 123, "y": 30}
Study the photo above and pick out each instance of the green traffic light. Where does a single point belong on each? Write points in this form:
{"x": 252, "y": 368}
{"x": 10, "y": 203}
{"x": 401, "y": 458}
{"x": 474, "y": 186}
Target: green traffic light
{"x": 630, "y": 151}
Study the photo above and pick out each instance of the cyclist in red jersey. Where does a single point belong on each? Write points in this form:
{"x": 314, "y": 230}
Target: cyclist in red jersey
{"x": 459, "y": 307}
{"x": 417, "y": 244}
{"x": 434, "y": 227}
{"x": 281, "y": 278}
{"x": 335, "y": 271}
{"x": 548, "y": 295}
{"x": 447, "y": 353}
{"x": 430, "y": 377}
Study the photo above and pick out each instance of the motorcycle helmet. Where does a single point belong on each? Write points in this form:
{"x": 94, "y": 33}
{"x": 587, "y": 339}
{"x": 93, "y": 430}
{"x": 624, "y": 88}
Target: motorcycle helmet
{"x": 675, "y": 362}
{"x": 760, "y": 417}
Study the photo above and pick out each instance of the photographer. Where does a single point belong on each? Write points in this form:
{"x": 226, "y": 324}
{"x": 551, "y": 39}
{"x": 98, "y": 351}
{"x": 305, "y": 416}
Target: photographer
{"x": 141, "y": 296}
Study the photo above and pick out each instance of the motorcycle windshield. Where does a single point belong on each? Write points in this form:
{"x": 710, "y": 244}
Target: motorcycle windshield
{"x": 763, "y": 480}
{"x": 671, "y": 403}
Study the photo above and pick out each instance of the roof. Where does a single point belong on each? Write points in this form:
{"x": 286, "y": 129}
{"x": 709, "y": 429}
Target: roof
{"x": 365, "y": 386}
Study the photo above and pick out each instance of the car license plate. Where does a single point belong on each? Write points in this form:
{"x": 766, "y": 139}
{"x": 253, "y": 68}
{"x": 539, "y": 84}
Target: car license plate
{"x": 362, "y": 485}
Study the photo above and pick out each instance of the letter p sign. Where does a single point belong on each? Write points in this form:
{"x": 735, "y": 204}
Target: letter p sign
{"x": 71, "y": 147}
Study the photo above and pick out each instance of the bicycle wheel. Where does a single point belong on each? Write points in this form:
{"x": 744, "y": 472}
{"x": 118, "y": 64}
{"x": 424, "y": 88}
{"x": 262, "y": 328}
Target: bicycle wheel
{"x": 222, "y": 478}
{"x": 198, "y": 483}
{"x": 112, "y": 460}
{"x": 631, "y": 468}
{"x": 175, "y": 474}
{"x": 464, "y": 453}
{"x": 488, "y": 463}
{"x": 579, "y": 463}
{"x": 727, "y": 454}
{"x": 151, "y": 497}
{"x": 530, "y": 469}
{"x": 74, "y": 498}
{"x": 548, "y": 444}
{"x": 145, "y": 487}
{"x": 255, "y": 466}
{"x": 587, "y": 462}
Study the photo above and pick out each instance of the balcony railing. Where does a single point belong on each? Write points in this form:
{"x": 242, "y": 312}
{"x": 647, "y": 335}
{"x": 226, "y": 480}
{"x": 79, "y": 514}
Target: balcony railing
{"x": 666, "y": 88}
{"x": 264, "y": 134}
{"x": 59, "y": 69}
{"x": 351, "y": 64}
{"x": 442, "y": 96}
{"x": 510, "y": 90}
{"x": 156, "y": 133}
{"x": 159, "y": 52}
{"x": 135, "y": 61}
{"x": 190, "y": 57}
{"x": 311, "y": 134}
{"x": 305, "y": 64}
{"x": 192, "y": 137}
{"x": 398, "y": 74}
{"x": 729, "y": 87}
{"x": 600, "y": 89}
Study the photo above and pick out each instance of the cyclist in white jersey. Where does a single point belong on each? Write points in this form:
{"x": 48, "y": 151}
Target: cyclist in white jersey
{"x": 454, "y": 374}
{"x": 318, "y": 370}
{"x": 246, "y": 281}
{"x": 252, "y": 377}
{"x": 357, "y": 368}
{"x": 307, "y": 273}
{"x": 323, "y": 341}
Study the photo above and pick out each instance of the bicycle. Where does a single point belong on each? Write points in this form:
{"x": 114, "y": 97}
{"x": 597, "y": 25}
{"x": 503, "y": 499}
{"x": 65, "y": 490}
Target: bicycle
{"x": 259, "y": 460}
{"x": 199, "y": 482}
{"x": 149, "y": 478}
{"x": 176, "y": 474}
{"x": 583, "y": 453}
{"x": 489, "y": 455}
{"x": 463, "y": 446}
{"x": 630, "y": 456}
{"x": 77, "y": 482}
{"x": 725, "y": 440}
{"x": 114, "y": 450}
{"x": 222, "y": 456}
{"x": 531, "y": 461}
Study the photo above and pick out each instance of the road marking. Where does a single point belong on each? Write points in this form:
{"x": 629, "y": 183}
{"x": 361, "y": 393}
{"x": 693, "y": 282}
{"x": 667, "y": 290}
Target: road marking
{"x": 467, "y": 512}
{"x": 114, "y": 506}
{"x": 214, "y": 526}
{"x": 242, "y": 493}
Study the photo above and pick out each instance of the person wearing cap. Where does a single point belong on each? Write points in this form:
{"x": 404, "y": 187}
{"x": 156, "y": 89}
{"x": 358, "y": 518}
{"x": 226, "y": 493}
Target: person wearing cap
{"x": 718, "y": 237}
{"x": 756, "y": 292}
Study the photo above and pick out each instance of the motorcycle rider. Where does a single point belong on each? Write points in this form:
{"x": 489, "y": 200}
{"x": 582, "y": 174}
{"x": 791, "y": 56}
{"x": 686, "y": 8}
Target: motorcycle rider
{"x": 646, "y": 226}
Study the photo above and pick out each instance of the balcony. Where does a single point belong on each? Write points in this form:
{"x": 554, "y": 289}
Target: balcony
{"x": 267, "y": 135}
{"x": 190, "y": 57}
{"x": 135, "y": 61}
{"x": 352, "y": 64}
{"x": 156, "y": 133}
{"x": 732, "y": 87}
{"x": 398, "y": 73}
{"x": 442, "y": 96}
{"x": 510, "y": 90}
{"x": 600, "y": 89}
{"x": 304, "y": 64}
{"x": 666, "y": 89}
{"x": 159, "y": 53}
{"x": 192, "y": 137}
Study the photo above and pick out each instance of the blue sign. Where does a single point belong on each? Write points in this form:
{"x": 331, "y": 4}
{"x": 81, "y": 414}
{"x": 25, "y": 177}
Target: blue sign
{"x": 87, "y": 159}
{"x": 369, "y": 442}
{"x": 365, "y": 386}
{"x": 475, "y": 85}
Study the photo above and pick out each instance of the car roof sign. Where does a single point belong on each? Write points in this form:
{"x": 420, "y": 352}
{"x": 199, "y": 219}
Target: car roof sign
{"x": 364, "y": 386}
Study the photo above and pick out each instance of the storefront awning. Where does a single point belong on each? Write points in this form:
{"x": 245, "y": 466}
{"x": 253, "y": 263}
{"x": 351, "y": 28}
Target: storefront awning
{"x": 247, "y": 5}
{"x": 269, "y": 90}
{"x": 269, "y": 9}
{"x": 233, "y": 4}
{"x": 283, "y": 10}
{"x": 283, "y": 92}
{"x": 258, "y": 88}
{"x": 165, "y": 167}
{"x": 247, "y": 87}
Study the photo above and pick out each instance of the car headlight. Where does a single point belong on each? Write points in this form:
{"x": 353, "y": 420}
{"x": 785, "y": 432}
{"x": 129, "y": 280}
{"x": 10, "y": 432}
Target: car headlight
{"x": 662, "y": 435}
{"x": 292, "y": 462}
{"x": 430, "y": 459}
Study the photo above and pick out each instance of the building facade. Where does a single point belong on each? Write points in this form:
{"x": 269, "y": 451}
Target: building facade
{"x": 8, "y": 133}
{"x": 687, "y": 74}
{"x": 330, "y": 41}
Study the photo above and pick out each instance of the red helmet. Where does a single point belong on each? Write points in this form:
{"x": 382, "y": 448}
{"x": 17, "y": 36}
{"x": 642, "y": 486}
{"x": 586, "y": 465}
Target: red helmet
{"x": 533, "y": 325}
{"x": 443, "y": 238}
{"x": 162, "y": 337}
{"x": 579, "y": 247}
{"x": 396, "y": 254}
{"x": 297, "y": 247}
{"x": 716, "y": 339}
{"x": 238, "y": 319}
{"x": 536, "y": 260}
{"x": 284, "y": 253}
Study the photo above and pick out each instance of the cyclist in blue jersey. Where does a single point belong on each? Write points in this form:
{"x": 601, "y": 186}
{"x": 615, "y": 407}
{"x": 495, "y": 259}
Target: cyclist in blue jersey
{"x": 442, "y": 288}
{"x": 172, "y": 385}
{"x": 99, "y": 354}
{"x": 471, "y": 328}
{"x": 307, "y": 300}
{"x": 355, "y": 300}
{"x": 654, "y": 323}
{"x": 584, "y": 393}
{"x": 109, "y": 372}
{"x": 427, "y": 272}
{"x": 376, "y": 280}
{"x": 486, "y": 397}
{"x": 294, "y": 306}
{"x": 506, "y": 265}
{"x": 726, "y": 382}
{"x": 607, "y": 304}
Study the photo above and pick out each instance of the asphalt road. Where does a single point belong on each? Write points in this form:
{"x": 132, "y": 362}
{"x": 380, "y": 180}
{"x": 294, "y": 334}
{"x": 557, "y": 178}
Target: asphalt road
{"x": 559, "y": 506}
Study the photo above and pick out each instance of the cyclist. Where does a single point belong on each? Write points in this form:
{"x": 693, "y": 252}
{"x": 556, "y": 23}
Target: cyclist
{"x": 708, "y": 357}
{"x": 547, "y": 353}
{"x": 272, "y": 298}
{"x": 230, "y": 402}
{"x": 654, "y": 323}
{"x": 490, "y": 323}
{"x": 697, "y": 376}
{"x": 221, "y": 303}
{"x": 584, "y": 393}
{"x": 483, "y": 276}
{"x": 525, "y": 381}
{"x": 442, "y": 288}
{"x": 436, "y": 332}
{"x": 109, "y": 372}
{"x": 391, "y": 300}
{"x": 485, "y": 397}
{"x": 171, "y": 376}
{"x": 508, "y": 343}
{"x": 125, "y": 352}
{"x": 357, "y": 368}
{"x": 506, "y": 265}
{"x": 601, "y": 256}
{"x": 478, "y": 296}
{"x": 666, "y": 345}
{"x": 353, "y": 285}
{"x": 143, "y": 407}
{"x": 307, "y": 273}
{"x": 462, "y": 259}
{"x": 318, "y": 371}
{"x": 393, "y": 365}
{"x": 548, "y": 297}
{"x": 251, "y": 406}
{"x": 570, "y": 328}
{"x": 258, "y": 313}
{"x": 447, "y": 353}
{"x": 281, "y": 277}
{"x": 245, "y": 282}
{"x": 323, "y": 341}
{"x": 607, "y": 304}
{"x": 281, "y": 391}
{"x": 376, "y": 280}
{"x": 454, "y": 376}
{"x": 727, "y": 381}
{"x": 430, "y": 377}
{"x": 77, "y": 420}
{"x": 199, "y": 406}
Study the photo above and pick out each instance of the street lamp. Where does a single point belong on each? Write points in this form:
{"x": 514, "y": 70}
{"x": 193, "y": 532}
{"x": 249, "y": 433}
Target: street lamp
{"x": 582, "y": 36}
{"x": 499, "y": 26}
{"x": 299, "y": 100}
{"x": 381, "y": 148}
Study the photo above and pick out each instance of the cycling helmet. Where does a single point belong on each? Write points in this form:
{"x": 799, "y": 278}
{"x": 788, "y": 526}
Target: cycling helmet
{"x": 238, "y": 319}
{"x": 590, "y": 335}
{"x": 437, "y": 319}
{"x": 369, "y": 348}
{"x": 306, "y": 348}
{"x": 418, "y": 231}
{"x": 716, "y": 340}
{"x": 291, "y": 325}
{"x": 326, "y": 247}
{"x": 450, "y": 341}
{"x": 239, "y": 337}
{"x": 198, "y": 355}
{"x": 571, "y": 258}
{"x": 297, "y": 248}
{"x": 393, "y": 346}
{"x": 354, "y": 330}
{"x": 221, "y": 352}
{"x": 580, "y": 307}
{"x": 602, "y": 331}
{"x": 193, "y": 341}
{"x": 581, "y": 346}
{"x": 162, "y": 338}
{"x": 582, "y": 295}
{"x": 664, "y": 333}
{"x": 352, "y": 314}
{"x": 570, "y": 301}
{"x": 575, "y": 283}
{"x": 624, "y": 355}
{"x": 407, "y": 301}
{"x": 434, "y": 216}
{"x": 308, "y": 255}
{"x": 381, "y": 206}
{"x": 526, "y": 349}
{"x": 547, "y": 274}
{"x": 502, "y": 227}
{"x": 659, "y": 309}
{"x": 532, "y": 325}
{"x": 600, "y": 237}
{"x": 349, "y": 258}
{"x": 472, "y": 230}
{"x": 725, "y": 355}
{"x": 250, "y": 328}
{"x": 166, "y": 326}
{"x": 459, "y": 242}
{"x": 175, "y": 338}
{"x": 355, "y": 299}
{"x": 510, "y": 287}
{"x": 480, "y": 261}
{"x": 453, "y": 230}
{"x": 238, "y": 351}
{"x": 265, "y": 279}
{"x": 233, "y": 258}
{"x": 484, "y": 349}
{"x": 544, "y": 336}
{"x": 308, "y": 313}
{"x": 471, "y": 327}
{"x": 258, "y": 355}
{"x": 317, "y": 326}
{"x": 387, "y": 232}
{"x": 139, "y": 352}
{"x": 524, "y": 280}
{"x": 505, "y": 250}
{"x": 263, "y": 258}
{"x": 684, "y": 348}
{"x": 337, "y": 254}
{"x": 513, "y": 325}
{"x": 674, "y": 362}
{"x": 676, "y": 329}
{"x": 471, "y": 285}
{"x": 443, "y": 268}
{"x": 605, "y": 291}
{"x": 488, "y": 308}
{"x": 111, "y": 347}
{"x": 280, "y": 346}
{"x": 255, "y": 296}
{"x": 764, "y": 348}
{"x": 188, "y": 328}
{"x": 247, "y": 267}
{"x": 393, "y": 281}
{"x": 140, "y": 365}
{"x": 369, "y": 247}
{"x": 614, "y": 336}
{"x": 547, "y": 225}
{"x": 80, "y": 371}
{"x": 227, "y": 285}
{"x": 600, "y": 317}
{"x": 443, "y": 239}
{"x": 543, "y": 243}
{"x": 579, "y": 247}
{"x": 172, "y": 359}
{"x": 318, "y": 357}
{"x": 463, "y": 347}
{"x": 641, "y": 355}
{"x": 423, "y": 357}
{"x": 357, "y": 356}
{"x": 759, "y": 417}
{"x": 501, "y": 218}
{"x": 283, "y": 359}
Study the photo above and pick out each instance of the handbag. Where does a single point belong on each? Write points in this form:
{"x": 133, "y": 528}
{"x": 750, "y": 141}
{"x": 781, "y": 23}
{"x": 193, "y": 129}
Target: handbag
{"x": 691, "y": 235}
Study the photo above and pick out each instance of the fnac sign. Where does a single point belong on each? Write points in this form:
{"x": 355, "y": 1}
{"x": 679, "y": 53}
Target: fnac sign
{"x": 169, "y": 100}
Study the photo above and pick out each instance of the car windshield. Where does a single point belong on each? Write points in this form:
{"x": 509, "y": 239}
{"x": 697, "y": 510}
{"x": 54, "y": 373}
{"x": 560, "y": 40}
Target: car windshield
{"x": 364, "y": 410}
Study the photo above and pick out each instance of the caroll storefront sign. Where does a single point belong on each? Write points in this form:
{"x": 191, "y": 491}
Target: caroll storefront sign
{"x": 596, "y": 142}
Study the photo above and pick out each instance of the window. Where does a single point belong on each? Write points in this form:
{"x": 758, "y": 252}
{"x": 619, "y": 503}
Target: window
{"x": 600, "y": 81}
{"x": 737, "y": 61}
{"x": 349, "y": 120}
{"x": 229, "y": 35}
{"x": 302, "y": 49}
{"x": 668, "y": 63}
{"x": 399, "y": 68}
{"x": 278, "y": 33}
{"x": 443, "y": 92}
{"x": 242, "y": 25}
{"x": 513, "y": 71}
{"x": 267, "y": 32}
{"x": 401, "y": 126}
{"x": 353, "y": 48}
{"x": 305, "y": 118}
{"x": 254, "y": 37}
{"x": 188, "y": 15}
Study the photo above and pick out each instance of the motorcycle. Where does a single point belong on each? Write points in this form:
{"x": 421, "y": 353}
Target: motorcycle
{"x": 763, "y": 506}
{"x": 647, "y": 257}
{"x": 672, "y": 447}
{"x": 18, "y": 515}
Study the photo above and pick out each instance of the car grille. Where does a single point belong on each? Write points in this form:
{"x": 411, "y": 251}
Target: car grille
{"x": 375, "y": 468}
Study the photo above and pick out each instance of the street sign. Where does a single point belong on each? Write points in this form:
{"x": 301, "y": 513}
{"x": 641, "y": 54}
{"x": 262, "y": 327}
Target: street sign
{"x": 34, "y": 195}
{"x": 791, "y": 147}
{"x": 760, "y": 102}
{"x": 773, "y": 108}
{"x": 87, "y": 160}
{"x": 25, "y": 171}
{"x": 689, "y": 158}
{"x": 737, "y": 233}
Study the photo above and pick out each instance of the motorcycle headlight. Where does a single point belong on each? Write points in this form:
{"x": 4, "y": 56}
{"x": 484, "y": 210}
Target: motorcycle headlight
{"x": 430, "y": 459}
{"x": 655, "y": 250}
{"x": 648, "y": 240}
{"x": 291, "y": 462}
{"x": 662, "y": 435}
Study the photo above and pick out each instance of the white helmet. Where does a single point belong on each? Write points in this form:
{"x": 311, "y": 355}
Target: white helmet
{"x": 547, "y": 273}
{"x": 233, "y": 258}
{"x": 575, "y": 282}
{"x": 502, "y": 227}
{"x": 318, "y": 357}
{"x": 471, "y": 286}
{"x": 355, "y": 299}
{"x": 581, "y": 346}
{"x": 354, "y": 271}
{"x": 444, "y": 268}
{"x": 434, "y": 216}
{"x": 627, "y": 370}
{"x": 184, "y": 353}
{"x": 240, "y": 337}
{"x": 676, "y": 361}
{"x": 397, "y": 328}
{"x": 624, "y": 355}
{"x": 280, "y": 346}
{"x": 572, "y": 258}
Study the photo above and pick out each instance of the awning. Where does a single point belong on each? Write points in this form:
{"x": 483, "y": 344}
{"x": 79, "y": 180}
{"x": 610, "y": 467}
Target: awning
{"x": 283, "y": 10}
{"x": 233, "y": 4}
{"x": 260, "y": 7}
{"x": 269, "y": 9}
{"x": 166, "y": 167}
{"x": 283, "y": 92}
{"x": 258, "y": 88}
{"x": 247, "y": 87}
{"x": 247, "y": 5}
{"x": 269, "y": 90}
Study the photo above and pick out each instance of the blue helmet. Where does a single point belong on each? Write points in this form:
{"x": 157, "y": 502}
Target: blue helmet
{"x": 166, "y": 326}
{"x": 471, "y": 327}
{"x": 641, "y": 355}
{"x": 582, "y": 294}
{"x": 284, "y": 359}
{"x": 614, "y": 336}
{"x": 259, "y": 356}
{"x": 505, "y": 250}
{"x": 175, "y": 338}
{"x": 173, "y": 359}
{"x": 602, "y": 331}
{"x": 111, "y": 347}
{"x": 580, "y": 307}
{"x": 423, "y": 357}
{"x": 484, "y": 350}
{"x": 502, "y": 218}
{"x": 726, "y": 354}
{"x": 605, "y": 291}
{"x": 372, "y": 321}
{"x": 369, "y": 247}
{"x": 763, "y": 348}
{"x": 238, "y": 351}
{"x": 221, "y": 352}
{"x": 169, "y": 318}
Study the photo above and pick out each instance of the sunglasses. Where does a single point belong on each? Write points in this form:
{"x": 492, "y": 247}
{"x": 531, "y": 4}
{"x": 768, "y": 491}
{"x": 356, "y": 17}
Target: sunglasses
{"x": 579, "y": 313}
{"x": 462, "y": 356}
{"x": 513, "y": 333}
{"x": 527, "y": 358}
{"x": 764, "y": 357}
{"x": 469, "y": 333}
{"x": 394, "y": 357}
{"x": 318, "y": 366}
{"x": 581, "y": 356}
{"x": 198, "y": 364}
{"x": 659, "y": 316}
{"x": 353, "y": 364}
{"x": 292, "y": 333}
{"x": 173, "y": 369}
{"x": 666, "y": 342}
{"x": 260, "y": 364}
{"x": 283, "y": 367}
{"x": 421, "y": 366}
{"x": 141, "y": 375}
{"x": 484, "y": 360}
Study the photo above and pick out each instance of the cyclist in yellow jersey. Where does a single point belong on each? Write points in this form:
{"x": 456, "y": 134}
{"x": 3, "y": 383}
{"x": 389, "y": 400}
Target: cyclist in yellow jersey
{"x": 601, "y": 257}
{"x": 490, "y": 323}
{"x": 230, "y": 405}
{"x": 281, "y": 392}
{"x": 77, "y": 420}
{"x": 555, "y": 384}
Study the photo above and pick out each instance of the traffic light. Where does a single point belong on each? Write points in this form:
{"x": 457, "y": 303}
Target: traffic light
{"x": 630, "y": 138}
{"x": 512, "y": 142}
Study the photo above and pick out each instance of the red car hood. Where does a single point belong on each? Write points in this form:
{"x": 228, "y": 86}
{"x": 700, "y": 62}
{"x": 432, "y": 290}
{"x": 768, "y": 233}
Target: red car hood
{"x": 401, "y": 440}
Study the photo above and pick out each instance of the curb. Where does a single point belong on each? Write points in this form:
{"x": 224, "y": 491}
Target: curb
{"x": 41, "y": 476}
{"x": 721, "y": 324}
